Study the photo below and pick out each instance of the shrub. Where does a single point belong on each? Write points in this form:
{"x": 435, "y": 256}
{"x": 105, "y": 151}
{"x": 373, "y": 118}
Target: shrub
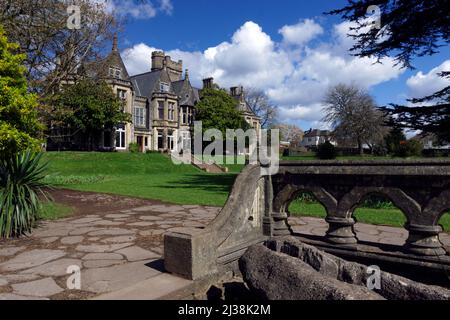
{"x": 410, "y": 148}
{"x": 380, "y": 151}
{"x": 326, "y": 151}
{"x": 21, "y": 181}
{"x": 133, "y": 148}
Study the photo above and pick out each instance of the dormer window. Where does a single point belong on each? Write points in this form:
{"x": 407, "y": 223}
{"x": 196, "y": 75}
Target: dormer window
{"x": 115, "y": 72}
{"x": 164, "y": 87}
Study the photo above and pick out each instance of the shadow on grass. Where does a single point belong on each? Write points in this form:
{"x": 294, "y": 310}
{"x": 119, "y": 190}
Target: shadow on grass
{"x": 207, "y": 182}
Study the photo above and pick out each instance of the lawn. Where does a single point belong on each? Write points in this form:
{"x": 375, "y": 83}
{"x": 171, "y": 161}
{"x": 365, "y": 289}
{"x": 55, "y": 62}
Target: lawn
{"x": 386, "y": 216}
{"x": 148, "y": 176}
{"x": 154, "y": 176}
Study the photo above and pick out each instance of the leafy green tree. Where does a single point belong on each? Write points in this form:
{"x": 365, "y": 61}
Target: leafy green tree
{"x": 217, "y": 110}
{"x": 19, "y": 124}
{"x": 88, "y": 106}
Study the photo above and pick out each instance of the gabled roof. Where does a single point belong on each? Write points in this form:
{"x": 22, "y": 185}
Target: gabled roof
{"x": 145, "y": 84}
{"x": 183, "y": 89}
{"x": 100, "y": 68}
{"x": 148, "y": 83}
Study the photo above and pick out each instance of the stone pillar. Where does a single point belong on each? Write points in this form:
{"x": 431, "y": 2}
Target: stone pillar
{"x": 424, "y": 240}
{"x": 340, "y": 230}
{"x": 280, "y": 224}
{"x": 268, "y": 200}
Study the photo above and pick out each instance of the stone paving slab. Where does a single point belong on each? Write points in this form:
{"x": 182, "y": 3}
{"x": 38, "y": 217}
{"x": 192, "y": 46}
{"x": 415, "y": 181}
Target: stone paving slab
{"x": 116, "y": 251}
{"x": 161, "y": 286}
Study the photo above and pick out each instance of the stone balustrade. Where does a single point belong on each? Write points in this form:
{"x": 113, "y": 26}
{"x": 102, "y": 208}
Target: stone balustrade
{"x": 420, "y": 189}
{"x": 258, "y": 209}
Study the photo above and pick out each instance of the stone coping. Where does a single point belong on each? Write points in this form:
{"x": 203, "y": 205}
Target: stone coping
{"x": 433, "y": 167}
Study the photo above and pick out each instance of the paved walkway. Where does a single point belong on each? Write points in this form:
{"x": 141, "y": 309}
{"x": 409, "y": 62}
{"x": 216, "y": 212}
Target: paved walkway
{"x": 119, "y": 253}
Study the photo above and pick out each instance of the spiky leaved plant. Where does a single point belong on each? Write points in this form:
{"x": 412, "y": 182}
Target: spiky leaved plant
{"x": 21, "y": 184}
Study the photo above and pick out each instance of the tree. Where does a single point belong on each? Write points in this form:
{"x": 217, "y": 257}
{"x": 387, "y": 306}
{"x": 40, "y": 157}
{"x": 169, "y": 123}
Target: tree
{"x": 89, "y": 106}
{"x": 410, "y": 28}
{"x": 394, "y": 139}
{"x": 260, "y": 104}
{"x": 53, "y": 44}
{"x": 354, "y": 116}
{"x": 19, "y": 124}
{"x": 290, "y": 133}
{"x": 217, "y": 110}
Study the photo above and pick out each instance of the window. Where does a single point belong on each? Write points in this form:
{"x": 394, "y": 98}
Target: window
{"x": 121, "y": 94}
{"x": 184, "y": 115}
{"x": 120, "y": 137}
{"x": 160, "y": 140}
{"x": 161, "y": 110}
{"x": 171, "y": 111}
{"x": 164, "y": 87}
{"x": 115, "y": 72}
{"x": 139, "y": 116}
{"x": 186, "y": 141}
{"x": 187, "y": 116}
{"x": 170, "y": 143}
{"x": 146, "y": 141}
{"x": 190, "y": 115}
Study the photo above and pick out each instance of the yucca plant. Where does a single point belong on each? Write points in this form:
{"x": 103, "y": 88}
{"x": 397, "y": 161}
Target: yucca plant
{"x": 21, "y": 184}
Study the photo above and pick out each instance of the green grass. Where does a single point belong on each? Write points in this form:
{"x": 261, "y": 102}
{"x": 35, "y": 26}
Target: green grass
{"x": 54, "y": 211}
{"x": 389, "y": 217}
{"x": 154, "y": 176}
{"x": 148, "y": 176}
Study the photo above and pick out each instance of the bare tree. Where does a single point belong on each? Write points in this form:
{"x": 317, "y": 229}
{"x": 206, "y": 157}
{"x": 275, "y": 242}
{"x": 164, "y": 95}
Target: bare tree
{"x": 53, "y": 46}
{"x": 354, "y": 116}
{"x": 260, "y": 104}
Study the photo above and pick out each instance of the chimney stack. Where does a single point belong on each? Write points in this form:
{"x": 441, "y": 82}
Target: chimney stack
{"x": 208, "y": 83}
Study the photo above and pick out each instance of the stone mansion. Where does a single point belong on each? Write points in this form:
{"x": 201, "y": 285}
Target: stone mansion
{"x": 161, "y": 102}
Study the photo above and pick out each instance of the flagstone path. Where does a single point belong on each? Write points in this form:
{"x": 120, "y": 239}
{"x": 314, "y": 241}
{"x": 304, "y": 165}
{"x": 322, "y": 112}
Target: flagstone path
{"x": 118, "y": 250}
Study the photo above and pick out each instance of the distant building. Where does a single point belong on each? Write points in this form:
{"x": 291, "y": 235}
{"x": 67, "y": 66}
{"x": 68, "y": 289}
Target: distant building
{"x": 315, "y": 137}
{"x": 430, "y": 141}
{"x": 161, "y": 102}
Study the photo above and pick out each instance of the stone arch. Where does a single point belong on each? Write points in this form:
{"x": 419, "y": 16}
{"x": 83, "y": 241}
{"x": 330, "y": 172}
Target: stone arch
{"x": 288, "y": 194}
{"x": 409, "y": 207}
{"x": 436, "y": 208}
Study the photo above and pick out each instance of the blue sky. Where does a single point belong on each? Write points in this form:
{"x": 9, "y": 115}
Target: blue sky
{"x": 288, "y": 48}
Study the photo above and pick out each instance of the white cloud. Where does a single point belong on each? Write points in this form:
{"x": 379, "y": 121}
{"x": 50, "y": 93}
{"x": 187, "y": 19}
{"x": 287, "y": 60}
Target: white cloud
{"x": 424, "y": 84}
{"x": 294, "y": 76}
{"x": 166, "y": 6}
{"x": 138, "y": 59}
{"x": 301, "y": 33}
{"x": 137, "y": 9}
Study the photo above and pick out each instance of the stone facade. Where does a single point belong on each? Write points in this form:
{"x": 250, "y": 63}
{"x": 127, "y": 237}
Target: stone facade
{"x": 161, "y": 102}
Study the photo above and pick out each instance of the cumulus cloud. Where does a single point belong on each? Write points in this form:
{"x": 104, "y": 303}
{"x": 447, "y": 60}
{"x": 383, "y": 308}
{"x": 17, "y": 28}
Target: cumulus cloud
{"x": 293, "y": 74}
{"x": 424, "y": 84}
{"x": 301, "y": 33}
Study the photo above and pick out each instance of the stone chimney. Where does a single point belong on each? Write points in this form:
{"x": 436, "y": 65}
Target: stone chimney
{"x": 234, "y": 91}
{"x": 208, "y": 83}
